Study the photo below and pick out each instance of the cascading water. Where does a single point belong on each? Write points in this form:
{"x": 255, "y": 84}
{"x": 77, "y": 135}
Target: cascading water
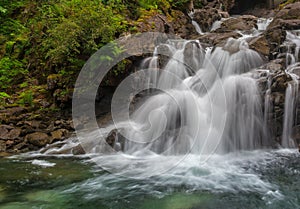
{"x": 292, "y": 44}
{"x": 188, "y": 112}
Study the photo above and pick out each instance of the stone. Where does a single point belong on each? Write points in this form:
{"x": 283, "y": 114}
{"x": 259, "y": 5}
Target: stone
{"x": 290, "y": 11}
{"x": 296, "y": 136}
{"x": 78, "y": 150}
{"x": 206, "y": 17}
{"x": 14, "y": 133}
{"x": 245, "y": 23}
{"x": 3, "y": 132}
{"x": 34, "y": 124}
{"x": 59, "y": 134}
{"x": 217, "y": 38}
{"x": 164, "y": 55}
{"x": 260, "y": 44}
{"x": 38, "y": 139}
{"x": 2, "y": 146}
{"x": 275, "y": 37}
{"x": 293, "y": 24}
{"x": 192, "y": 50}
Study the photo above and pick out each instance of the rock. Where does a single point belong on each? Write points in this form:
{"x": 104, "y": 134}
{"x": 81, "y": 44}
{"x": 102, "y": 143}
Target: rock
{"x": 275, "y": 37}
{"x": 14, "y": 133}
{"x": 164, "y": 55}
{"x": 34, "y": 124}
{"x": 59, "y": 134}
{"x": 279, "y": 82}
{"x": 192, "y": 50}
{"x": 260, "y": 44}
{"x": 217, "y": 38}
{"x": 206, "y": 17}
{"x": 290, "y": 11}
{"x": 275, "y": 65}
{"x": 115, "y": 140}
{"x": 2, "y": 146}
{"x": 20, "y": 146}
{"x": 78, "y": 150}
{"x": 244, "y": 23}
{"x": 3, "y": 132}
{"x": 153, "y": 22}
{"x": 182, "y": 24}
{"x": 296, "y": 134}
{"x": 38, "y": 139}
{"x": 293, "y": 24}
{"x": 14, "y": 111}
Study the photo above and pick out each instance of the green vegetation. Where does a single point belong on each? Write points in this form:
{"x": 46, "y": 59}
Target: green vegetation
{"x": 41, "y": 38}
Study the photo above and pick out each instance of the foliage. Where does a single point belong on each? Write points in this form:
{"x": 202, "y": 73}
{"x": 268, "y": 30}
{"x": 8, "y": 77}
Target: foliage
{"x": 11, "y": 72}
{"x": 40, "y": 38}
{"x": 26, "y": 98}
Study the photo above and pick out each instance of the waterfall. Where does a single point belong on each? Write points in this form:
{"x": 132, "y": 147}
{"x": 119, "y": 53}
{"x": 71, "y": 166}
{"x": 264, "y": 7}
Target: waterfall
{"x": 291, "y": 95}
{"x": 210, "y": 102}
{"x": 194, "y": 23}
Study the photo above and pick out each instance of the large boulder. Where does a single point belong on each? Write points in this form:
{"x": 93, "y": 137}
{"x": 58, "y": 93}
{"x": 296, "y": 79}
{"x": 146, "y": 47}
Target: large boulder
{"x": 38, "y": 139}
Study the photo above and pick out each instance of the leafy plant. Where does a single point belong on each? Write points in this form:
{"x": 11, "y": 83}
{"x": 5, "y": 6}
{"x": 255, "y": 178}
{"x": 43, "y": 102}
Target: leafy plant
{"x": 26, "y": 98}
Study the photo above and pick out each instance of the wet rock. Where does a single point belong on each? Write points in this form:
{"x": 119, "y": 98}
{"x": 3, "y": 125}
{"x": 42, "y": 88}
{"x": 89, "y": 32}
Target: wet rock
{"x": 38, "y": 139}
{"x": 290, "y": 11}
{"x": 3, "y": 132}
{"x": 275, "y": 65}
{"x": 2, "y": 146}
{"x": 59, "y": 134}
{"x": 244, "y": 23}
{"x": 260, "y": 44}
{"x": 206, "y": 17}
{"x": 275, "y": 37}
{"x": 293, "y": 24}
{"x": 279, "y": 83}
{"x": 296, "y": 134}
{"x": 182, "y": 24}
{"x": 164, "y": 55}
{"x": 78, "y": 150}
{"x": 192, "y": 50}
{"x": 217, "y": 38}
{"x": 115, "y": 140}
